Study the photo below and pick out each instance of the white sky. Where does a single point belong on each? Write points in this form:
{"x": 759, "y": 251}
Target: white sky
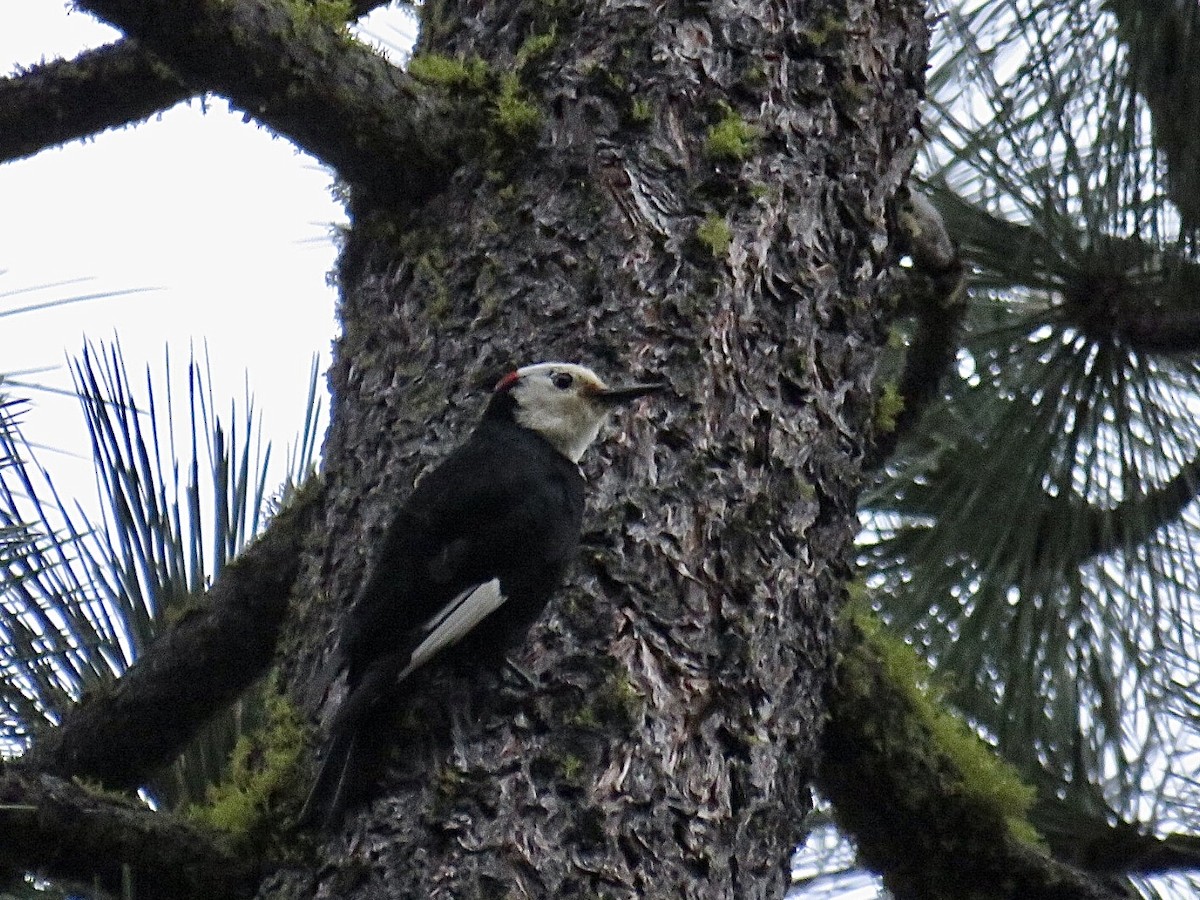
{"x": 229, "y": 225}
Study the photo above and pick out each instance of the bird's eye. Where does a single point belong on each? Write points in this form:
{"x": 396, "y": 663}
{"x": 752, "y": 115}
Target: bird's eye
{"x": 562, "y": 380}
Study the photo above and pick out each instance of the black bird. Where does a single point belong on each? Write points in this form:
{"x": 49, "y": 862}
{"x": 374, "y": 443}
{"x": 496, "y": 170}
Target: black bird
{"x": 480, "y": 545}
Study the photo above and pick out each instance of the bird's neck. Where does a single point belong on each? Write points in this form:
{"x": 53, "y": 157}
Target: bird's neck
{"x": 569, "y": 438}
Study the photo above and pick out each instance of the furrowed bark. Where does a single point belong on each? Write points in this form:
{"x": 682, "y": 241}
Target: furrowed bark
{"x": 57, "y": 829}
{"x": 701, "y": 193}
{"x": 307, "y": 80}
{"x": 199, "y": 666}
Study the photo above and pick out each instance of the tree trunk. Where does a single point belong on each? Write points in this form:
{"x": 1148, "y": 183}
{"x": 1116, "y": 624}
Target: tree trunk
{"x": 698, "y": 191}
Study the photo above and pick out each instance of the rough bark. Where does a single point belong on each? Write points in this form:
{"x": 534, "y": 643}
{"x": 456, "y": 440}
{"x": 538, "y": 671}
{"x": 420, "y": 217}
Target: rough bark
{"x": 705, "y": 198}
{"x": 197, "y": 668}
{"x": 54, "y": 827}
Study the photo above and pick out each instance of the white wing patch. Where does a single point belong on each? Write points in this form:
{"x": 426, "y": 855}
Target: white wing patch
{"x": 454, "y": 620}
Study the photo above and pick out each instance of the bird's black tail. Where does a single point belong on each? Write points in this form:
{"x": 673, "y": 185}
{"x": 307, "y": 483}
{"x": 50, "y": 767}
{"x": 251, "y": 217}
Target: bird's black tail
{"x": 335, "y": 780}
{"x": 343, "y": 774}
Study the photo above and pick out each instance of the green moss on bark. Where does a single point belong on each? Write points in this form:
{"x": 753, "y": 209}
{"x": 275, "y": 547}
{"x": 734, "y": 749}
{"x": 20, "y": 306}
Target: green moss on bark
{"x": 888, "y": 405}
{"x": 715, "y": 234}
{"x": 731, "y": 138}
{"x": 932, "y": 808}
{"x": 436, "y": 70}
{"x": 263, "y": 784}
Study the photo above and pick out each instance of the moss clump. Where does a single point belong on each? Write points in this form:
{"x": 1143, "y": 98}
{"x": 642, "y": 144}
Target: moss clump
{"x": 511, "y": 112}
{"x": 262, "y": 783}
{"x": 333, "y": 13}
{"x": 714, "y": 232}
{"x": 511, "y": 117}
{"x": 888, "y": 405}
{"x": 731, "y": 137}
{"x": 641, "y": 111}
{"x": 584, "y": 717}
{"x": 514, "y": 115}
{"x": 470, "y": 74}
{"x": 831, "y": 28}
{"x": 754, "y": 76}
{"x": 622, "y": 696}
{"x": 571, "y": 767}
{"x": 984, "y": 780}
{"x": 536, "y": 46}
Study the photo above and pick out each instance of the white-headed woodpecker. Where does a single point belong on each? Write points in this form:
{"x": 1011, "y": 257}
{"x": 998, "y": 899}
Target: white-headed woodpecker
{"x": 486, "y": 535}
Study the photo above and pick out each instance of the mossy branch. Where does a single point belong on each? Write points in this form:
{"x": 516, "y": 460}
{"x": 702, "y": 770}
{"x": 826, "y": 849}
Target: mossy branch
{"x": 287, "y": 65}
{"x": 934, "y": 292}
{"x": 496, "y": 103}
{"x": 256, "y": 802}
{"x": 109, "y": 87}
{"x": 60, "y": 829}
{"x": 60, "y": 101}
{"x": 932, "y": 811}
{"x": 192, "y": 671}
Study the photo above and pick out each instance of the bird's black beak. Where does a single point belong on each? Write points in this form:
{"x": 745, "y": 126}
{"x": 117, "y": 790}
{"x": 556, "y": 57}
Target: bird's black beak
{"x": 613, "y": 396}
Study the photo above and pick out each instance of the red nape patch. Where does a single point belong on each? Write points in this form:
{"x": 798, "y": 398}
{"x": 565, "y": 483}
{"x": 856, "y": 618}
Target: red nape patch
{"x": 505, "y": 383}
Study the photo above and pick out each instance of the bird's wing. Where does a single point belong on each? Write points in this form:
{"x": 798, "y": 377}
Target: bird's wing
{"x": 457, "y": 532}
{"x": 454, "y": 620}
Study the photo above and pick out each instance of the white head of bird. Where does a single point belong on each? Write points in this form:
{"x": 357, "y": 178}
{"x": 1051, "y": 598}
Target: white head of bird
{"x": 565, "y": 403}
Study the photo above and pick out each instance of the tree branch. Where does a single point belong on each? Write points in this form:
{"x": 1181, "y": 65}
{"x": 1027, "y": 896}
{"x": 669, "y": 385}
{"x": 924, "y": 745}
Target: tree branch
{"x": 60, "y": 101}
{"x": 189, "y": 673}
{"x": 1124, "y": 288}
{"x": 1163, "y": 331}
{"x": 109, "y": 87}
{"x": 1091, "y": 843}
{"x": 1163, "y": 41}
{"x": 306, "y": 79}
{"x": 934, "y": 291}
{"x": 919, "y": 818}
{"x": 54, "y": 827}
{"x": 1135, "y": 519}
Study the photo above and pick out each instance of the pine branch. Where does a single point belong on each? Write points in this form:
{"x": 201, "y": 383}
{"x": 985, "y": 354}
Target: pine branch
{"x": 109, "y": 87}
{"x": 1162, "y": 38}
{"x": 1131, "y": 522}
{"x": 192, "y": 671}
{"x": 56, "y": 828}
{"x": 920, "y": 819}
{"x": 1133, "y": 291}
{"x": 1163, "y": 331}
{"x": 306, "y": 79}
{"x": 67, "y": 99}
{"x": 1124, "y": 848}
{"x": 934, "y": 291}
